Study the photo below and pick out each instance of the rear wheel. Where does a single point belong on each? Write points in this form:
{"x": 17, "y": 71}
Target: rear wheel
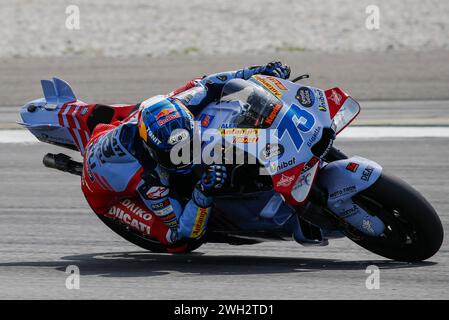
{"x": 413, "y": 229}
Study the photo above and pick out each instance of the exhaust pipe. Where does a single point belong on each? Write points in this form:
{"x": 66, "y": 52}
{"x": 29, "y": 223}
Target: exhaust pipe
{"x": 63, "y": 162}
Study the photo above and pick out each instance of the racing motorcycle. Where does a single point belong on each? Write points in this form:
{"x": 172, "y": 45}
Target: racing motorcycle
{"x": 296, "y": 187}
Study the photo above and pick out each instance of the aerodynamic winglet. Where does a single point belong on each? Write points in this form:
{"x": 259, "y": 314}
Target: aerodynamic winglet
{"x": 57, "y": 91}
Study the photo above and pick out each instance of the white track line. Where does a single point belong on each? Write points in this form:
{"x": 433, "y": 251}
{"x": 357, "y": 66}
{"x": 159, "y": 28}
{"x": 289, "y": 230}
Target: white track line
{"x": 17, "y": 136}
{"x": 368, "y": 132}
{"x": 373, "y": 132}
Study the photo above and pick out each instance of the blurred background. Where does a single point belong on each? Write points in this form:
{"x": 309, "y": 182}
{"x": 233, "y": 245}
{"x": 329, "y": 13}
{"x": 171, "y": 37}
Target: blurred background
{"x": 114, "y": 51}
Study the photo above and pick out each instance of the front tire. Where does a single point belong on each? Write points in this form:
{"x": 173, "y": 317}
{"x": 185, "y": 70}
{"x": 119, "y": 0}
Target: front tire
{"x": 413, "y": 229}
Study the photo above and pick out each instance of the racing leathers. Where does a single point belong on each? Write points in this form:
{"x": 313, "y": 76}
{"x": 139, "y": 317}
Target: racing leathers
{"x": 121, "y": 180}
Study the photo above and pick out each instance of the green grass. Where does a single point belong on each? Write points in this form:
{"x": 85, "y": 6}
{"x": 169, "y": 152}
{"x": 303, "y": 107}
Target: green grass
{"x": 291, "y": 49}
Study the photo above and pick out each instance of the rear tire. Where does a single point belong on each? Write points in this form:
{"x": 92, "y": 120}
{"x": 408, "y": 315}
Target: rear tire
{"x": 413, "y": 229}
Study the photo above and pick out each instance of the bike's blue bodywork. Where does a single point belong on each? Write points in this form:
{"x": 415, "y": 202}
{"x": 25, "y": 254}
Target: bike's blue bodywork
{"x": 299, "y": 125}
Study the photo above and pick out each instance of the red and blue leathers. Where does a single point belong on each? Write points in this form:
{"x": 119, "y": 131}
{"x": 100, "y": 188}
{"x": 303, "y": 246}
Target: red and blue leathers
{"x": 121, "y": 180}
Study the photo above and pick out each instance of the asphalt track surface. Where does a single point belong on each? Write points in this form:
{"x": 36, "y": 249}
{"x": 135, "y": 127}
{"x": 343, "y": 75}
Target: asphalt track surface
{"x": 46, "y": 225}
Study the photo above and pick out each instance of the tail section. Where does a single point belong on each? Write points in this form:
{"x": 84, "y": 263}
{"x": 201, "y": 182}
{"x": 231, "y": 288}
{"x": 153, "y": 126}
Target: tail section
{"x": 60, "y": 118}
{"x": 55, "y": 118}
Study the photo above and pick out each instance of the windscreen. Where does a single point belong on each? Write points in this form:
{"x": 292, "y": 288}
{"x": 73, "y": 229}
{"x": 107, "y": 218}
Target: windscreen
{"x": 259, "y": 106}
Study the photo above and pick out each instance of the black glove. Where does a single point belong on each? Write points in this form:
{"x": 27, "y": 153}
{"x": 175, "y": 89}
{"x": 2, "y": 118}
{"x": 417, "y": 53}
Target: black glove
{"x": 212, "y": 180}
{"x": 277, "y": 69}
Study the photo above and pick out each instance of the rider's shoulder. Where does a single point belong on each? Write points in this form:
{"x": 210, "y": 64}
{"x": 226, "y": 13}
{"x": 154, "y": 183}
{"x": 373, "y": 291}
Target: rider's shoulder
{"x": 126, "y": 134}
{"x": 116, "y": 144}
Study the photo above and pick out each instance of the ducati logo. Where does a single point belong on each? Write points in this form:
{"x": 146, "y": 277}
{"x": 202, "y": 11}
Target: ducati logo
{"x": 285, "y": 181}
{"x": 335, "y": 97}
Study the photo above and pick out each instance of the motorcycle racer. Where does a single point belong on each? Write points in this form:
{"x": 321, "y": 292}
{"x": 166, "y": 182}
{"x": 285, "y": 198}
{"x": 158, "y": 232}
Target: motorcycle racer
{"x": 129, "y": 159}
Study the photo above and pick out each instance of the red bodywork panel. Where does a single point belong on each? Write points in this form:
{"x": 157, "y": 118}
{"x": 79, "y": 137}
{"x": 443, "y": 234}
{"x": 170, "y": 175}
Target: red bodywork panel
{"x": 75, "y": 117}
{"x": 335, "y": 99}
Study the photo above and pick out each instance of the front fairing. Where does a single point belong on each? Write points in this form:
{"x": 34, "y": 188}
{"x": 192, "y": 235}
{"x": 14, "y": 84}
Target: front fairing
{"x": 284, "y": 148}
{"x": 298, "y": 127}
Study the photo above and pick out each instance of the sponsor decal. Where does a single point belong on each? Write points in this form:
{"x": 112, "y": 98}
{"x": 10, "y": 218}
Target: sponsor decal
{"x": 245, "y": 140}
{"x": 277, "y": 83}
{"x": 228, "y": 125}
{"x": 165, "y": 112}
{"x": 305, "y": 97}
{"x": 160, "y": 205}
{"x": 284, "y": 164}
{"x": 136, "y": 209}
{"x": 349, "y": 212}
{"x": 168, "y": 118}
{"x": 309, "y": 165}
{"x": 109, "y": 146}
{"x": 341, "y": 192}
{"x": 285, "y": 181}
{"x": 273, "y": 114}
{"x": 303, "y": 184}
{"x": 157, "y": 192}
{"x": 127, "y": 218}
{"x": 367, "y": 225}
{"x": 184, "y": 97}
{"x": 271, "y": 87}
{"x": 84, "y": 111}
{"x": 206, "y": 120}
{"x": 271, "y": 150}
{"x": 239, "y": 132}
{"x": 335, "y": 97}
{"x": 304, "y": 179}
{"x": 321, "y": 101}
{"x": 352, "y": 166}
{"x": 200, "y": 222}
{"x": 366, "y": 174}
{"x": 178, "y": 136}
{"x": 153, "y": 137}
{"x": 314, "y": 137}
{"x": 187, "y": 95}
{"x": 241, "y": 135}
{"x": 162, "y": 213}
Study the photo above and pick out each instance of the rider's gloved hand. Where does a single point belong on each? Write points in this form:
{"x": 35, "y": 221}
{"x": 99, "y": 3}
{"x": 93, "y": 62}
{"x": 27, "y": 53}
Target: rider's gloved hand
{"x": 212, "y": 180}
{"x": 277, "y": 69}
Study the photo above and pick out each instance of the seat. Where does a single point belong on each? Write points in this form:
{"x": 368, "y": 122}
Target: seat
{"x": 100, "y": 114}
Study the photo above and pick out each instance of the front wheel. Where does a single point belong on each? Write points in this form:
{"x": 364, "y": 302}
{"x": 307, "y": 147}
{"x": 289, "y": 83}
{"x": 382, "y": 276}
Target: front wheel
{"x": 413, "y": 230}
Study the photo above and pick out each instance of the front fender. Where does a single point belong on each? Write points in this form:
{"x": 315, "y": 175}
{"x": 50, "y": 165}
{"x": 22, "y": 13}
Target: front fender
{"x": 345, "y": 178}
